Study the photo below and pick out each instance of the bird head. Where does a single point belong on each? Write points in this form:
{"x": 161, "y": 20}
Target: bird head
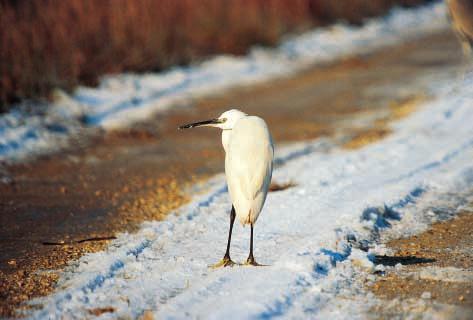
{"x": 225, "y": 121}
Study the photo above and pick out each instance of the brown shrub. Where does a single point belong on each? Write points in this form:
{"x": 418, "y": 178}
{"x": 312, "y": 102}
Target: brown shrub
{"x": 57, "y": 43}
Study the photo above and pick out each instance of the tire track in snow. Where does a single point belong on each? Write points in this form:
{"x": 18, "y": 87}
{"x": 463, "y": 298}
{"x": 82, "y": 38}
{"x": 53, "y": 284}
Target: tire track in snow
{"x": 327, "y": 260}
{"x": 379, "y": 216}
{"x": 435, "y": 164}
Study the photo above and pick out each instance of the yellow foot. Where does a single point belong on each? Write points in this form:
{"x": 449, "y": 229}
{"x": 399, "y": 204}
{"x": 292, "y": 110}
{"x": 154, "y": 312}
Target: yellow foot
{"x": 225, "y": 262}
{"x": 252, "y": 262}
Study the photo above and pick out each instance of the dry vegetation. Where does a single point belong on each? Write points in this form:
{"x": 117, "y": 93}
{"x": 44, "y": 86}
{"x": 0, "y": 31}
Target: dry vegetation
{"x": 56, "y": 43}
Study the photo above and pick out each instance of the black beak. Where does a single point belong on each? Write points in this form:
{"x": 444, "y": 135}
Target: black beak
{"x": 200, "y": 123}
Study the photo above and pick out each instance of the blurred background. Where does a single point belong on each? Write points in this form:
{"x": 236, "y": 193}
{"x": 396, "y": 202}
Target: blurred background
{"x": 49, "y": 44}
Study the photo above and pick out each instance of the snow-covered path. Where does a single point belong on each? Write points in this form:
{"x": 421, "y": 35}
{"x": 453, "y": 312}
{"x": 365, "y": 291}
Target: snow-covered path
{"x": 310, "y": 235}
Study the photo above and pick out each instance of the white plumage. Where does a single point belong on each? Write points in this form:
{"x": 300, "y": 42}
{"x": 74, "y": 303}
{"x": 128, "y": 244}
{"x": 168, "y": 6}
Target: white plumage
{"x": 248, "y": 168}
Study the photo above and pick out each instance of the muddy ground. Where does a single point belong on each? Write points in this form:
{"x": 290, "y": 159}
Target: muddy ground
{"x": 60, "y": 206}
{"x": 446, "y": 247}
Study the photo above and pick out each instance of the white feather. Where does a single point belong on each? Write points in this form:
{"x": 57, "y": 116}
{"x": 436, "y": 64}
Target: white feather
{"x": 248, "y": 166}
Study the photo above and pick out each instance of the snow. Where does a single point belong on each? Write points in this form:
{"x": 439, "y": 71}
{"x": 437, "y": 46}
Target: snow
{"x": 123, "y": 99}
{"x": 450, "y": 274}
{"x": 317, "y": 238}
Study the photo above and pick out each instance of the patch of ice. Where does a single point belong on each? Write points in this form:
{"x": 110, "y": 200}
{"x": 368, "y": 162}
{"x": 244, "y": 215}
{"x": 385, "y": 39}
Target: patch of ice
{"x": 426, "y": 295}
{"x": 424, "y": 309}
{"x": 450, "y": 274}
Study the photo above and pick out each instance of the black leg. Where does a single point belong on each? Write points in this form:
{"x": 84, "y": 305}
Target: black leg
{"x": 232, "y": 220}
{"x": 251, "y": 258}
{"x": 227, "y": 261}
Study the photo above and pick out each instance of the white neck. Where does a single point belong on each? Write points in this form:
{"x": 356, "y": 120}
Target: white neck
{"x": 226, "y": 134}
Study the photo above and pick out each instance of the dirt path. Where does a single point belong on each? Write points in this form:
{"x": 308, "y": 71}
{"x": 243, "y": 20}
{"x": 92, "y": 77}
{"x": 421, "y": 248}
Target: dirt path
{"x": 439, "y": 272}
{"x": 113, "y": 181}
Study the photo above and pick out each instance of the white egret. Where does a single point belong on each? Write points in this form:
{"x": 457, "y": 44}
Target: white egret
{"x": 248, "y": 167}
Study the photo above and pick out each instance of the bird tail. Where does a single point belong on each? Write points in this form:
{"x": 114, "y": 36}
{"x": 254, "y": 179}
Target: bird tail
{"x": 248, "y": 219}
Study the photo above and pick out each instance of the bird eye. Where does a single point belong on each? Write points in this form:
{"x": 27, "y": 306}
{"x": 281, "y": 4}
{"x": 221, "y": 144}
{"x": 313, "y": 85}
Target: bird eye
{"x": 223, "y": 120}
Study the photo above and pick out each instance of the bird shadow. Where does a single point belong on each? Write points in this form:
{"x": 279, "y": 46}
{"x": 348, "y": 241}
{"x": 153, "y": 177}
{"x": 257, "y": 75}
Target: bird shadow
{"x": 404, "y": 260}
{"x": 236, "y": 264}
{"x": 275, "y": 186}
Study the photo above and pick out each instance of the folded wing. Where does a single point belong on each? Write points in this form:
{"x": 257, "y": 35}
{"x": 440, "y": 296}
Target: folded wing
{"x": 248, "y": 167}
